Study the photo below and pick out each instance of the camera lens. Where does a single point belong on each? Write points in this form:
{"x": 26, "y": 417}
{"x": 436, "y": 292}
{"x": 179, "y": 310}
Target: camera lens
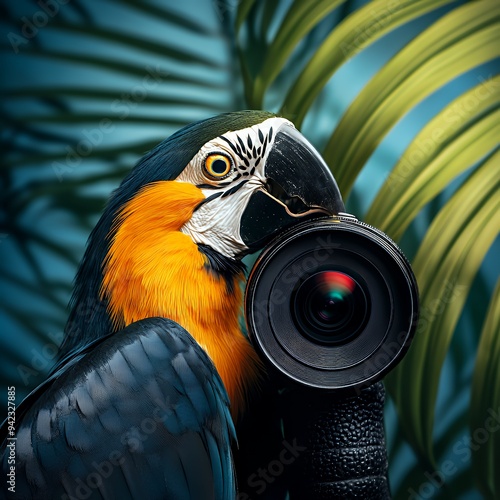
{"x": 331, "y": 303}
{"x": 329, "y": 306}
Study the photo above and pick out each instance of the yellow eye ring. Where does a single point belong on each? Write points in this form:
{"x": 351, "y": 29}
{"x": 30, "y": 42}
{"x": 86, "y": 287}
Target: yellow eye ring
{"x": 217, "y": 166}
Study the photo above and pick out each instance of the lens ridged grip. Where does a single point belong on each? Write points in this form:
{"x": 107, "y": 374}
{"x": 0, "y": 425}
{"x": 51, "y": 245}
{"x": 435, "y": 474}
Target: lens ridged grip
{"x": 345, "y": 455}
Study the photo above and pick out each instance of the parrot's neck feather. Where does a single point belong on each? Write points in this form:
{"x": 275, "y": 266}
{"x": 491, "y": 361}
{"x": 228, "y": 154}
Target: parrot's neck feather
{"x": 152, "y": 269}
{"x": 222, "y": 266}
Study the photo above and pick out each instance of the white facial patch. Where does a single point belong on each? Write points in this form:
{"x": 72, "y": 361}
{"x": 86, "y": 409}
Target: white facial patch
{"x": 216, "y": 222}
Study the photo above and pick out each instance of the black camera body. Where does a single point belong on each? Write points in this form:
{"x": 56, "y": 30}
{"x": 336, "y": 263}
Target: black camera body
{"x": 331, "y": 306}
{"x": 332, "y": 303}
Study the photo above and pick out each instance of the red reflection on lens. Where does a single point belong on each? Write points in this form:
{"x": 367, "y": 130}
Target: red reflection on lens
{"x": 336, "y": 280}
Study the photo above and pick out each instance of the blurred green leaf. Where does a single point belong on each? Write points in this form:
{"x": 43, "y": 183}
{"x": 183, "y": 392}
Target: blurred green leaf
{"x": 270, "y": 7}
{"x": 133, "y": 69}
{"x": 27, "y": 286}
{"x": 96, "y": 94}
{"x": 464, "y": 38}
{"x": 445, "y": 266}
{"x": 73, "y": 117}
{"x": 61, "y": 167}
{"x": 359, "y": 30}
{"x": 299, "y": 20}
{"x": 485, "y": 402}
{"x": 244, "y": 7}
{"x": 170, "y": 16}
{"x": 446, "y": 146}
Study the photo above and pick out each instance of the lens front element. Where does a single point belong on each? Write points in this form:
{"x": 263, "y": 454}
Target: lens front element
{"x": 330, "y": 306}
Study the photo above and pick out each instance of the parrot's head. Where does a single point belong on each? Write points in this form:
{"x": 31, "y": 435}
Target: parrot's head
{"x": 256, "y": 178}
{"x": 171, "y": 239}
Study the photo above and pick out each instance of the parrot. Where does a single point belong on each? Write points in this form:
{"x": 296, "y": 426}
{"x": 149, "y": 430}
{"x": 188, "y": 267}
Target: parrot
{"x": 157, "y": 392}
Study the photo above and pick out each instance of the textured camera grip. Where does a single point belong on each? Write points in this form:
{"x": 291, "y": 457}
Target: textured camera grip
{"x": 343, "y": 445}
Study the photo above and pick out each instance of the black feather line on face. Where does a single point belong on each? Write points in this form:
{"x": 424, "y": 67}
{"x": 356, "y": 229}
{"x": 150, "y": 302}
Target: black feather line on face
{"x": 222, "y": 266}
{"x": 234, "y": 147}
{"x": 261, "y": 136}
{"x": 235, "y": 188}
{"x": 223, "y": 194}
{"x": 211, "y": 186}
{"x": 210, "y": 198}
{"x": 242, "y": 145}
{"x": 264, "y": 145}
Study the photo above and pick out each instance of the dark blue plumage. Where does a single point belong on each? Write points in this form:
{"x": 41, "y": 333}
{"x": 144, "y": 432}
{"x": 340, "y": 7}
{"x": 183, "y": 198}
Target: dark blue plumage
{"x": 107, "y": 388}
{"x": 139, "y": 406}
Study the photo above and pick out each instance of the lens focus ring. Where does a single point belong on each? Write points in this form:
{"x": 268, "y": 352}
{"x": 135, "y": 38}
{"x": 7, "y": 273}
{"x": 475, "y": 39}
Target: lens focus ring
{"x": 332, "y": 304}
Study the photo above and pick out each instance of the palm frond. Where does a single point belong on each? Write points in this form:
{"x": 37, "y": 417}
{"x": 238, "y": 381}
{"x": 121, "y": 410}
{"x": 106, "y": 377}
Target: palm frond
{"x": 485, "y": 403}
{"x": 463, "y": 39}
{"x": 446, "y": 264}
{"x": 446, "y": 146}
{"x": 361, "y": 29}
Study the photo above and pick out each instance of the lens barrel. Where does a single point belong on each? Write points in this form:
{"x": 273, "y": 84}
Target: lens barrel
{"x": 332, "y": 303}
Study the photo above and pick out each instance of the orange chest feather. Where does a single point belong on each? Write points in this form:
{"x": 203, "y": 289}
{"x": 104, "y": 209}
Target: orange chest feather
{"x": 152, "y": 269}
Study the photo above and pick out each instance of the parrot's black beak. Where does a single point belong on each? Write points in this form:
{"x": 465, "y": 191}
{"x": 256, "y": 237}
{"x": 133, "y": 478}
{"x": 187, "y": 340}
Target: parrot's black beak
{"x": 299, "y": 186}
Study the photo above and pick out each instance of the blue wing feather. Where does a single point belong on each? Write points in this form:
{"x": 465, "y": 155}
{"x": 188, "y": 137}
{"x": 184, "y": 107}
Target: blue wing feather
{"x": 142, "y": 414}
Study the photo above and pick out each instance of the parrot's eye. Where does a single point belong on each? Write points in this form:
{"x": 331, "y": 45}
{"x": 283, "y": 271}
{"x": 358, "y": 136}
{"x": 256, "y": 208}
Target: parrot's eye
{"x": 217, "y": 166}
